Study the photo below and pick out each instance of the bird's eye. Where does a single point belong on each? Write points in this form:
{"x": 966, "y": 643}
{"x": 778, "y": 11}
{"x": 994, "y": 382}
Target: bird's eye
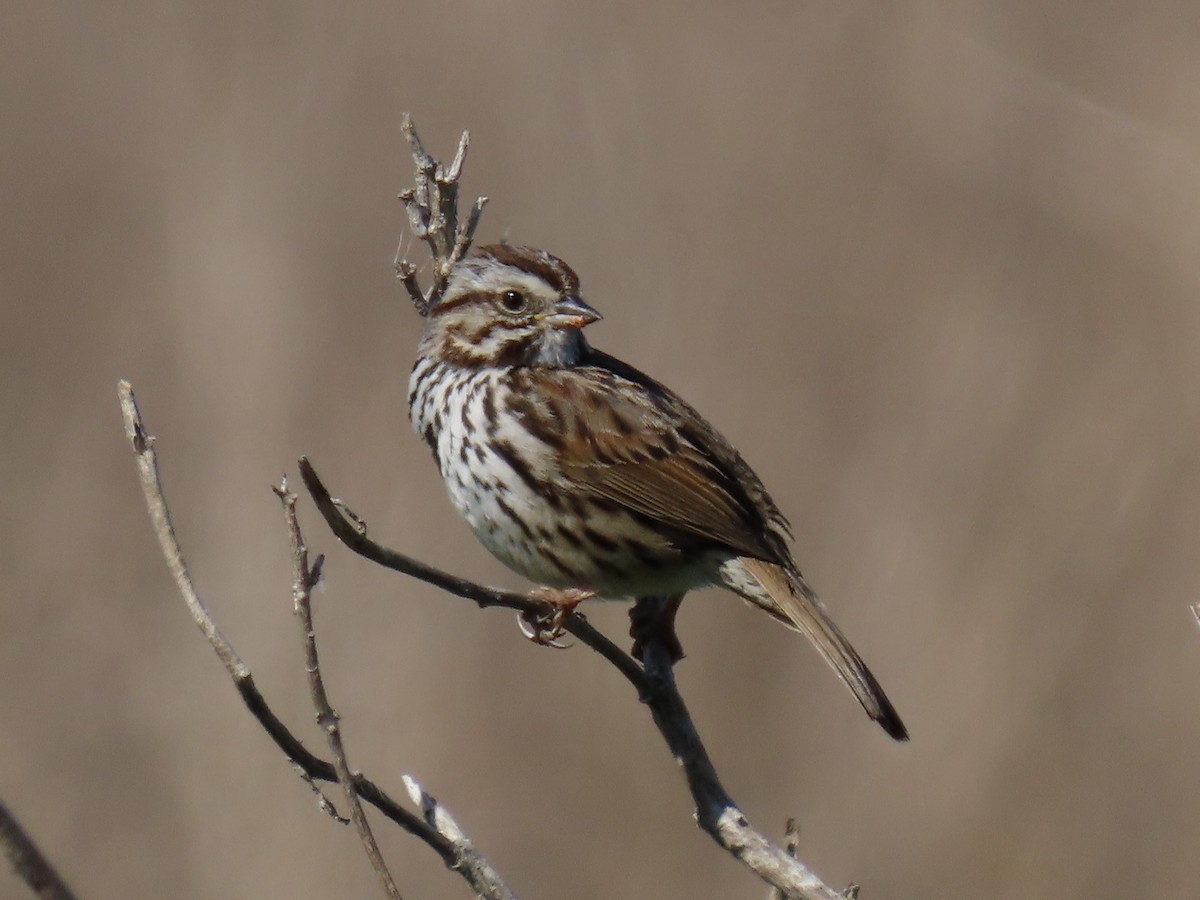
{"x": 513, "y": 301}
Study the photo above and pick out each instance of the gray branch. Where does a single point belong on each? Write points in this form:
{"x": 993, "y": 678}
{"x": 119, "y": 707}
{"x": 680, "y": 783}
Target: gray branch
{"x": 432, "y": 207}
{"x": 306, "y": 578}
{"x": 27, "y": 860}
{"x": 716, "y": 811}
{"x": 458, "y": 856}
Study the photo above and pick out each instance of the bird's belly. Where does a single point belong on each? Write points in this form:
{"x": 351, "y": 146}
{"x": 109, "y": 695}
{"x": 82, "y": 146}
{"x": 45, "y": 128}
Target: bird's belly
{"x": 505, "y": 482}
{"x": 552, "y": 535}
{"x": 559, "y": 543}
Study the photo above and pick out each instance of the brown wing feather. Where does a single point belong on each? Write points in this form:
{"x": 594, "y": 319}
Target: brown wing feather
{"x": 645, "y": 448}
{"x": 677, "y": 492}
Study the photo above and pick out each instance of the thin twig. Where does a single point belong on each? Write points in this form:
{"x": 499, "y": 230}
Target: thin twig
{"x": 160, "y": 518}
{"x": 306, "y": 578}
{"x": 407, "y": 273}
{"x": 435, "y": 814}
{"x": 791, "y": 844}
{"x": 466, "y": 861}
{"x": 351, "y": 532}
{"x": 716, "y": 811}
{"x": 467, "y": 234}
{"x": 432, "y": 208}
{"x": 27, "y": 860}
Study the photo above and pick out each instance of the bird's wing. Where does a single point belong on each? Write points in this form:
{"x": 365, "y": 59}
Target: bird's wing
{"x": 628, "y": 439}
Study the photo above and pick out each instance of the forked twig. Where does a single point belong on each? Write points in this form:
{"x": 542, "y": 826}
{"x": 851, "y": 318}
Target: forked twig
{"x": 432, "y": 207}
{"x": 460, "y": 857}
{"x": 351, "y": 532}
{"x": 306, "y": 578}
{"x": 432, "y": 210}
{"x": 716, "y": 811}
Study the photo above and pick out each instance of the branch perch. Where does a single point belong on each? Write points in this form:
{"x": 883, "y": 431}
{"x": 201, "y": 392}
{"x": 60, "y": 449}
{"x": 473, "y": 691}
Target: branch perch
{"x": 27, "y": 860}
{"x": 716, "y": 811}
{"x": 432, "y": 211}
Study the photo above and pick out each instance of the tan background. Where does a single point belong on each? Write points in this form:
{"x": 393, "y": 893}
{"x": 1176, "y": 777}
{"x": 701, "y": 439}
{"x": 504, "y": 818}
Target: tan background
{"x": 933, "y": 267}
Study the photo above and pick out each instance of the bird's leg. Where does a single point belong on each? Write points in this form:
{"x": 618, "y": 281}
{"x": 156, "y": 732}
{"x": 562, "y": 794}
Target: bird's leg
{"x": 653, "y": 619}
{"x": 545, "y": 627}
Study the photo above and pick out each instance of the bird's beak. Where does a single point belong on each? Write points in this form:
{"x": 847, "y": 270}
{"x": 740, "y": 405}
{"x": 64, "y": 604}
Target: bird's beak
{"x": 572, "y": 312}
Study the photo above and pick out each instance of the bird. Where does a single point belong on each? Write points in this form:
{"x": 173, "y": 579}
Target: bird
{"x": 588, "y": 477}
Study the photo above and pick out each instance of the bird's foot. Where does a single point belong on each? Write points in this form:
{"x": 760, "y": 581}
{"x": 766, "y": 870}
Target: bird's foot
{"x": 546, "y": 626}
{"x": 653, "y": 619}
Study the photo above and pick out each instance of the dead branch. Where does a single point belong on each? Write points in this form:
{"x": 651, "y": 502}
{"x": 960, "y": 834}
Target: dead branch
{"x": 459, "y": 856}
{"x": 27, "y": 860}
{"x": 716, "y": 811}
{"x": 432, "y": 211}
{"x": 306, "y": 578}
{"x": 432, "y": 207}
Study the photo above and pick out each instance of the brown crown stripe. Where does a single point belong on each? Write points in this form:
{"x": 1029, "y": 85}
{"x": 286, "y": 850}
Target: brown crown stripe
{"x": 550, "y": 269}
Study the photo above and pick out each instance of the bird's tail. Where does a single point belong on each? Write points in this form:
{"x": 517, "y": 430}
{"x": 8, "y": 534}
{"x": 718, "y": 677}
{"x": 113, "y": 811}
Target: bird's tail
{"x": 785, "y": 596}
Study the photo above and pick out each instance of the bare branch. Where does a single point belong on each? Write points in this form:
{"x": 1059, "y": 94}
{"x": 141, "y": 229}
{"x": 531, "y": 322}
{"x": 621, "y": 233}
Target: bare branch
{"x": 160, "y": 518}
{"x": 432, "y": 208}
{"x": 306, "y": 578}
{"x": 467, "y": 235}
{"x": 447, "y": 184}
{"x": 439, "y": 818}
{"x": 791, "y": 844}
{"x": 716, "y": 811}
{"x": 407, "y": 273}
{"x": 467, "y": 862}
{"x": 27, "y": 860}
{"x": 352, "y": 533}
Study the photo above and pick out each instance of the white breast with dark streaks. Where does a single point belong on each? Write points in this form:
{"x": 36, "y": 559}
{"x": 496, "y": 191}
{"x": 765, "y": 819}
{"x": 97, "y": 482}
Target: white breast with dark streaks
{"x": 488, "y": 461}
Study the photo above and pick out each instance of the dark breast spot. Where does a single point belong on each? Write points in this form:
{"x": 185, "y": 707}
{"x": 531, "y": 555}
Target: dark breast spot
{"x": 509, "y": 454}
{"x": 599, "y": 539}
{"x": 489, "y": 413}
{"x": 570, "y": 537}
{"x": 515, "y": 518}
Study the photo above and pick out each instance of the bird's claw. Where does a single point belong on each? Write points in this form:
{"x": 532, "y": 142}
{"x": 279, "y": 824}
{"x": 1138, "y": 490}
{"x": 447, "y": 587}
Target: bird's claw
{"x": 544, "y": 630}
{"x": 545, "y": 627}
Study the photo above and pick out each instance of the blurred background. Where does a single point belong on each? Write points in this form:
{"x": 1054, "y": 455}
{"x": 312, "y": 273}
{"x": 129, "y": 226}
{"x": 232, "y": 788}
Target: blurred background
{"x": 931, "y": 266}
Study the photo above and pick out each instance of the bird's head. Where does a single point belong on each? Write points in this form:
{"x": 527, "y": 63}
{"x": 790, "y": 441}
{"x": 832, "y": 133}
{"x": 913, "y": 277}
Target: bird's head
{"x": 509, "y": 306}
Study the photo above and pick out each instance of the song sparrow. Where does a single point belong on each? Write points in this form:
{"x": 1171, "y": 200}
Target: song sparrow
{"x": 580, "y": 472}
